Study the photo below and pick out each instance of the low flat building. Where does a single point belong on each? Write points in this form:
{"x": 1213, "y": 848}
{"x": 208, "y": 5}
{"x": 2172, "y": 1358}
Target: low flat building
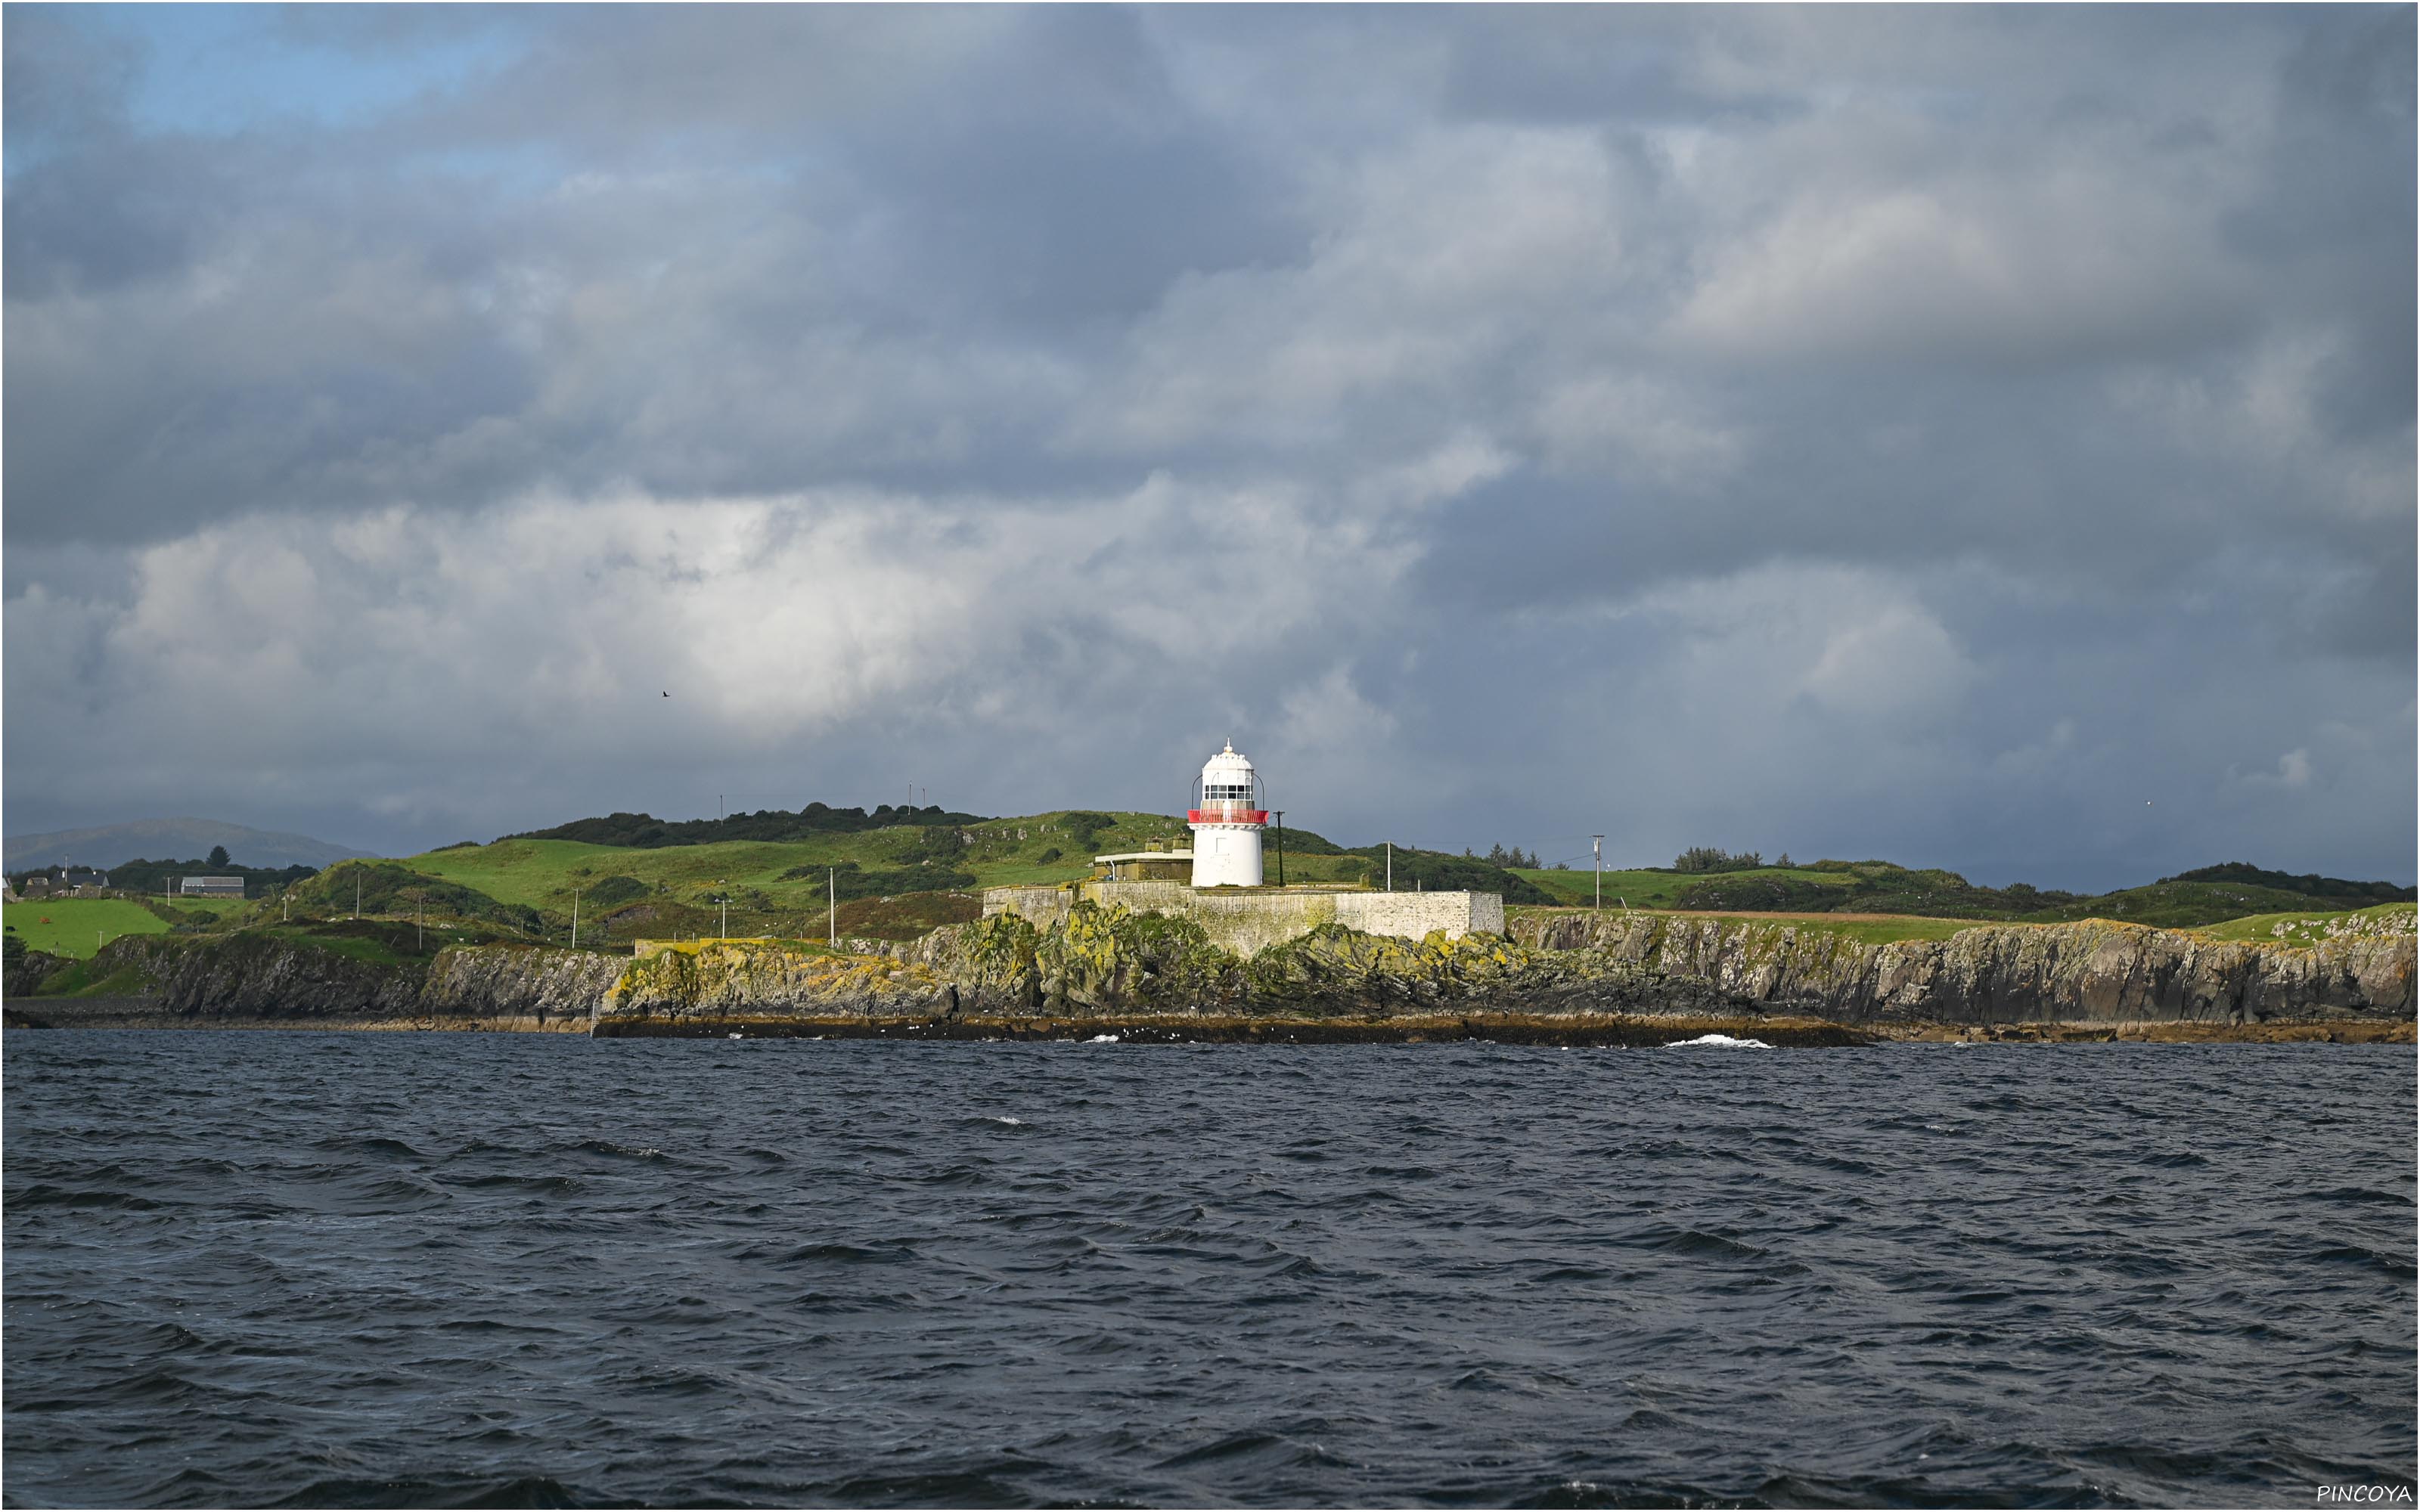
{"x": 209, "y": 886}
{"x": 1250, "y": 920}
{"x": 1145, "y": 866}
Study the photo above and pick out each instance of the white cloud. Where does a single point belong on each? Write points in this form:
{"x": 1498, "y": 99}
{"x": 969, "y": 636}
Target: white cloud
{"x": 1890, "y": 661}
{"x": 1988, "y": 268}
{"x": 2260, "y": 411}
{"x": 1330, "y": 718}
{"x": 2293, "y": 772}
{"x": 1633, "y": 424}
{"x": 1852, "y": 644}
{"x": 1457, "y": 250}
{"x": 548, "y": 630}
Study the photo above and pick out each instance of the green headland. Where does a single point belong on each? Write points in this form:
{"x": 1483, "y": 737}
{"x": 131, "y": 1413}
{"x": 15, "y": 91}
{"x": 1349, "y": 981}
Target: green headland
{"x": 875, "y": 921}
{"x": 896, "y": 874}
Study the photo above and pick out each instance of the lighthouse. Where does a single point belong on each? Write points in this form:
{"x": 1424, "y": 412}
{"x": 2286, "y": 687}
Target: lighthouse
{"x": 1227, "y": 824}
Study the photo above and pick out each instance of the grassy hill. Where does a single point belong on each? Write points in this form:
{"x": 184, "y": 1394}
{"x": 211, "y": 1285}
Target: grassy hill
{"x": 891, "y": 880}
{"x": 895, "y": 881}
{"x": 2179, "y": 904}
{"x": 2310, "y": 885}
{"x": 639, "y": 831}
{"x": 1865, "y": 931}
{"x": 897, "y": 873}
{"x": 1659, "y": 888}
{"x": 2190, "y": 900}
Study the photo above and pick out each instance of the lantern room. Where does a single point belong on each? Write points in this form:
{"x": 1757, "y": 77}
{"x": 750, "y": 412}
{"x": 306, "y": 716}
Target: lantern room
{"x": 1227, "y": 820}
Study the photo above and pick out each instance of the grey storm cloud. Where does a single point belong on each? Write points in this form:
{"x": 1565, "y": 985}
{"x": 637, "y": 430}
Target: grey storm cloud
{"x": 1982, "y": 436}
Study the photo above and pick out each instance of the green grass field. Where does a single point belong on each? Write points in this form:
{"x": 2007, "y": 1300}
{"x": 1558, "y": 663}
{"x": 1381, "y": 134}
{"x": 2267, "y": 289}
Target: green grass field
{"x": 2303, "y": 929}
{"x": 1877, "y": 887}
{"x": 1867, "y": 930}
{"x": 1863, "y": 931}
{"x": 79, "y": 926}
{"x": 543, "y": 873}
{"x": 1658, "y": 888}
{"x": 2182, "y": 904}
{"x": 909, "y": 878}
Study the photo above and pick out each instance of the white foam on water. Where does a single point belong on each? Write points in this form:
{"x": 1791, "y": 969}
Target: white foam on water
{"x": 1102, "y": 1038}
{"x": 1001, "y": 1117}
{"x": 1718, "y": 1042}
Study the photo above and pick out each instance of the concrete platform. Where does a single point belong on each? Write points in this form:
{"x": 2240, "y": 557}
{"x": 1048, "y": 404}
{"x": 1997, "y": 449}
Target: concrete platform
{"x": 1250, "y": 920}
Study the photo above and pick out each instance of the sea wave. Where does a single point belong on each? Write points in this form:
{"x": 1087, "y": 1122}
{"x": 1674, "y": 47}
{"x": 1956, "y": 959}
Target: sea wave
{"x": 534, "y": 1270}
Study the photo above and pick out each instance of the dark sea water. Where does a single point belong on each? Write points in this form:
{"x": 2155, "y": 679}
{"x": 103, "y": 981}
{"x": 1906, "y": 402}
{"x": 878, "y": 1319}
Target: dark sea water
{"x": 354, "y": 1269}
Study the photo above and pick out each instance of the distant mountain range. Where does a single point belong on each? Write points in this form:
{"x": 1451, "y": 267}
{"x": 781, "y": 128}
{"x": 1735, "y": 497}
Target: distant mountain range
{"x": 167, "y": 839}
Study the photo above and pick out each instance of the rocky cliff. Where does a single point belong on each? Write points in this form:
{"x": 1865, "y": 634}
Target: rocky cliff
{"x": 245, "y": 975}
{"x": 1003, "y": 975}
{"x": 1113, "y": 973}
{"x": 1111, "y": 959}
{"x": 2093, "y": 972}
{"x": 1107, "y": 960}
{"x": 259, "y": 980}
{"x": 706, "y": 987}
{"x": 548, "y": 987}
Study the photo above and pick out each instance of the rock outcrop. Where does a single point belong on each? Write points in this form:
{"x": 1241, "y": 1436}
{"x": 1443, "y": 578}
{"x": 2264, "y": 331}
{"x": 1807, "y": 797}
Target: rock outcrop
{"x": 260, "y": 977}
{"x": 1108, "y": 959}
{"x": 549, "y": 987}
{"x": 254, "y": 980}
{"x": 1110, "y": 970}
{"x": 27, "y": 971}
{"x": 710, "y": 986}
{"x": 2093, "y": 972}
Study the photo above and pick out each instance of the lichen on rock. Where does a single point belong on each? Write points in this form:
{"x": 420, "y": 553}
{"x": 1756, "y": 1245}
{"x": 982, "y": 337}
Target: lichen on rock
{"x": 2094, "y": 971}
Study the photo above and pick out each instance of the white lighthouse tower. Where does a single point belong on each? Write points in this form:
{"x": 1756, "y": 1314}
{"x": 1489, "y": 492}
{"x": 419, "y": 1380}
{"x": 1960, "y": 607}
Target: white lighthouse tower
{"x": 1227, "y": 824}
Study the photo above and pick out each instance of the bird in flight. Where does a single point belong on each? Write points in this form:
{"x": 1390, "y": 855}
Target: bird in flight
{"x": 667, "y": 695}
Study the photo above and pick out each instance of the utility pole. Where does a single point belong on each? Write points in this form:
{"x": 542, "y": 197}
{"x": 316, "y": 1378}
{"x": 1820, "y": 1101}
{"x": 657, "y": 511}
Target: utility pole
{"x": 575, "y": 919}
{"x": 357, "y": 891}
{"x": 1391, "y": 866}
{"x": 1596, "y": 846}
{"x": 724, "y": 930}
{"x": 1281, "y": 813}
{"x": 832, "y": 906}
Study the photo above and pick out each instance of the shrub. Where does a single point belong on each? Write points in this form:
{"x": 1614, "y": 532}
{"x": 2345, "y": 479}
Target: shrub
{"x": 1713, "y": 858}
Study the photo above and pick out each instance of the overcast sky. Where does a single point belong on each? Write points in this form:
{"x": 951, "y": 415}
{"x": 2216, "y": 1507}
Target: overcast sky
{"x": 1974, "y": 438}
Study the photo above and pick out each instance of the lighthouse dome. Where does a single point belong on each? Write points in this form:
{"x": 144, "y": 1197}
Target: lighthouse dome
{"x": 1227, "y": 778}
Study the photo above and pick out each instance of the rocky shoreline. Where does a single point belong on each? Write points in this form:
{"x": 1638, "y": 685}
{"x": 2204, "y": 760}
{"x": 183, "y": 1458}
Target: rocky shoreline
{"x": 1560, "y": 979}
{"x": 1576, "y": 1031}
